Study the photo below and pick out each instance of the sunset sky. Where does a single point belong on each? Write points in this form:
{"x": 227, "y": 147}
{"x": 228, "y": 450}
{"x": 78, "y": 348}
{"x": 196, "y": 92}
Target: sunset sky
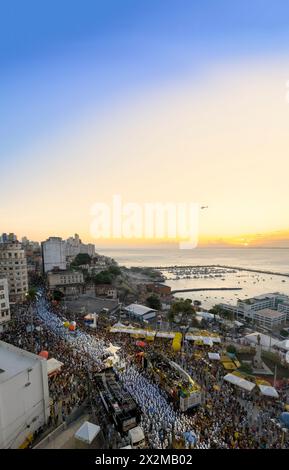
{"x": 155, "y": 100}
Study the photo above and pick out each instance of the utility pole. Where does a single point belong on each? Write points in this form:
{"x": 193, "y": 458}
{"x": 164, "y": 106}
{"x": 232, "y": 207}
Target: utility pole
{"x": 275, "y": 375}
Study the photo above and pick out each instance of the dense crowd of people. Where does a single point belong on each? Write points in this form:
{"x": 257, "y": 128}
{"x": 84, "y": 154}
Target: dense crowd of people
{"x": 227, "y": 417}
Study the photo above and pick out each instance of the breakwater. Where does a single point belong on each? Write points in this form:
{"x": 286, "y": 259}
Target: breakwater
{"x": 200, "y": 289}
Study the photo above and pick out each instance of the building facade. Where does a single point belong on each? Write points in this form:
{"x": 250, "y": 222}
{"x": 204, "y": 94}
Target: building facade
{"x": 13, "y": 267}
{"x": 58, "y": 253}
{"x": 140, "y": 312}
{"x": 74, "y": 247}
{"x": 270, "y": 319}
{"x": 159, "y": 289}
{"x": 24, "y": 395}
{"x": 106, "y": 290}
{"x": 4, "y": 305}
{"x": 53, "y": 254}
{"x": 248, "y": 308}
{"x": 68, "y": 282}
{"x": 284, "y": 308}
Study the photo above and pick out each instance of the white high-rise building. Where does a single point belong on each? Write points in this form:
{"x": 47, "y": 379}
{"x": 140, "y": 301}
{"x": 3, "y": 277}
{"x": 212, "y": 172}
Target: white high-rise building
{"x": 13, "y": 267}
{"x": 74, "y": 246}
{"x": 4, "y": 304}
{"x": 53, "y": 254}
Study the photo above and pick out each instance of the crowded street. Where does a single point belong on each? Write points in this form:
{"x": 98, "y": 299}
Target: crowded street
{"x": 227, "y": 417}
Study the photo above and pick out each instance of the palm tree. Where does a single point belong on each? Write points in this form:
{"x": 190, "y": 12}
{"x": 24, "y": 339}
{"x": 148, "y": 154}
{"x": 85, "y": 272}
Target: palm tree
{"x": 31, "y": 295}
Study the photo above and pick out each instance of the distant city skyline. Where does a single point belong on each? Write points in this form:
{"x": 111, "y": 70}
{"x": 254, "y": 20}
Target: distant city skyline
{"x": 246, "y": 241}
{"x": 156, "y": 101}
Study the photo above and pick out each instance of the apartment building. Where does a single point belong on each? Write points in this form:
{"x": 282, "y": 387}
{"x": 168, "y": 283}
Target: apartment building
{"x": 269, "y": 318}
{"x": 58, "y": 253}
{"x": 53, "y": 254}
{"x": 74, "y": 246}
{"x": 13, "y": 267}
{"x": 4, "y": 305}
{"x": 68, "y": 282}
{"x": 284, "y": 308}
{"x": 247, "y": 308}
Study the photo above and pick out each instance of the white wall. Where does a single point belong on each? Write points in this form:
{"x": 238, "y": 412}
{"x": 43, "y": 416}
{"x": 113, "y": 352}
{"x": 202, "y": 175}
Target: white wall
{"x": 19, "y": 405}
{"x": 54, "y": 254}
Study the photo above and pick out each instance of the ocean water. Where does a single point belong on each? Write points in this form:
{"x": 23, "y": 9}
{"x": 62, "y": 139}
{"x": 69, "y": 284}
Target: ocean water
{"x": 275, "y": 260}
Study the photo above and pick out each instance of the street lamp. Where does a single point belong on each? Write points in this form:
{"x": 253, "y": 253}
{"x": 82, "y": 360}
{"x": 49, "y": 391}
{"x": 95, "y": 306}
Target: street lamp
{"x": 284, "y": 431}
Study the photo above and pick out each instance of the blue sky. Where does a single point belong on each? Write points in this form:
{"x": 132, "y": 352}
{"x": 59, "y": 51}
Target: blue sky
{"x": 60, "y": 58}
{"x": 74, "y": 71}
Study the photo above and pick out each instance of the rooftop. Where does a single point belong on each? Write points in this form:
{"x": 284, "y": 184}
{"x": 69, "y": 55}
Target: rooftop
{"x": 259, "y": 298}
{"x": 91, "y": 304}
{"x": 15, "y": 360}
{"x": 138, "y": 309}
{"x": 268, "y": 313}
{"x": 63, "y": 272}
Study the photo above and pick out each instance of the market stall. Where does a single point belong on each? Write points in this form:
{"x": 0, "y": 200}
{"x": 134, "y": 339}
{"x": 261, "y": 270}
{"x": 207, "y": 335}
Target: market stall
{"x": 239, "y": 382}
{"x": 53, "y": 366}
{"x": 87, "y": 432}
{"x": 214, "y": 356}
{"x": 268, "y": 391}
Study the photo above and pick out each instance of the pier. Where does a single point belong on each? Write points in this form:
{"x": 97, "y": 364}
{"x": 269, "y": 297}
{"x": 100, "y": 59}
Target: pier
{"x": 200, "y": 289}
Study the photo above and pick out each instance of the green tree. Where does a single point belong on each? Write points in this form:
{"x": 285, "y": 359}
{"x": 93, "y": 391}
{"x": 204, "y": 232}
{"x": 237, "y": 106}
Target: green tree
{"x": 57, "y": 295}
{"x": 81, "y": 259}
{"x": 104, "y": 277}
{"x": 231, "y": 349}
{"x": 114, "y": 270}
{"x": 183, "y": 306}
{"x": 217, "y": 310}
{"x": 171, "y": 316}
{"x": 31, "y": 295}
{"x": 153, "y": 301}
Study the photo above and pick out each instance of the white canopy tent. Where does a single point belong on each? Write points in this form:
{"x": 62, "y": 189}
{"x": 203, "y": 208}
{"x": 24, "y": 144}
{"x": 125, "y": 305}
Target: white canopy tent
{"x": 242, "y": 383}
{"x": 283, "y": 344}
{"x": 53, "y": 365}
{"x": 136, "y": 435}
{"x": 207, "y": 341}
{"x": 212, "y": 339}
{"x": 119, "y": 325}
{"x": 214, "y": 356}
{"x": 87, "y": 432}
{"x": 268, "y": 391}
{"x": 132, "y": 331}
{"x": 165, "y": 334}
